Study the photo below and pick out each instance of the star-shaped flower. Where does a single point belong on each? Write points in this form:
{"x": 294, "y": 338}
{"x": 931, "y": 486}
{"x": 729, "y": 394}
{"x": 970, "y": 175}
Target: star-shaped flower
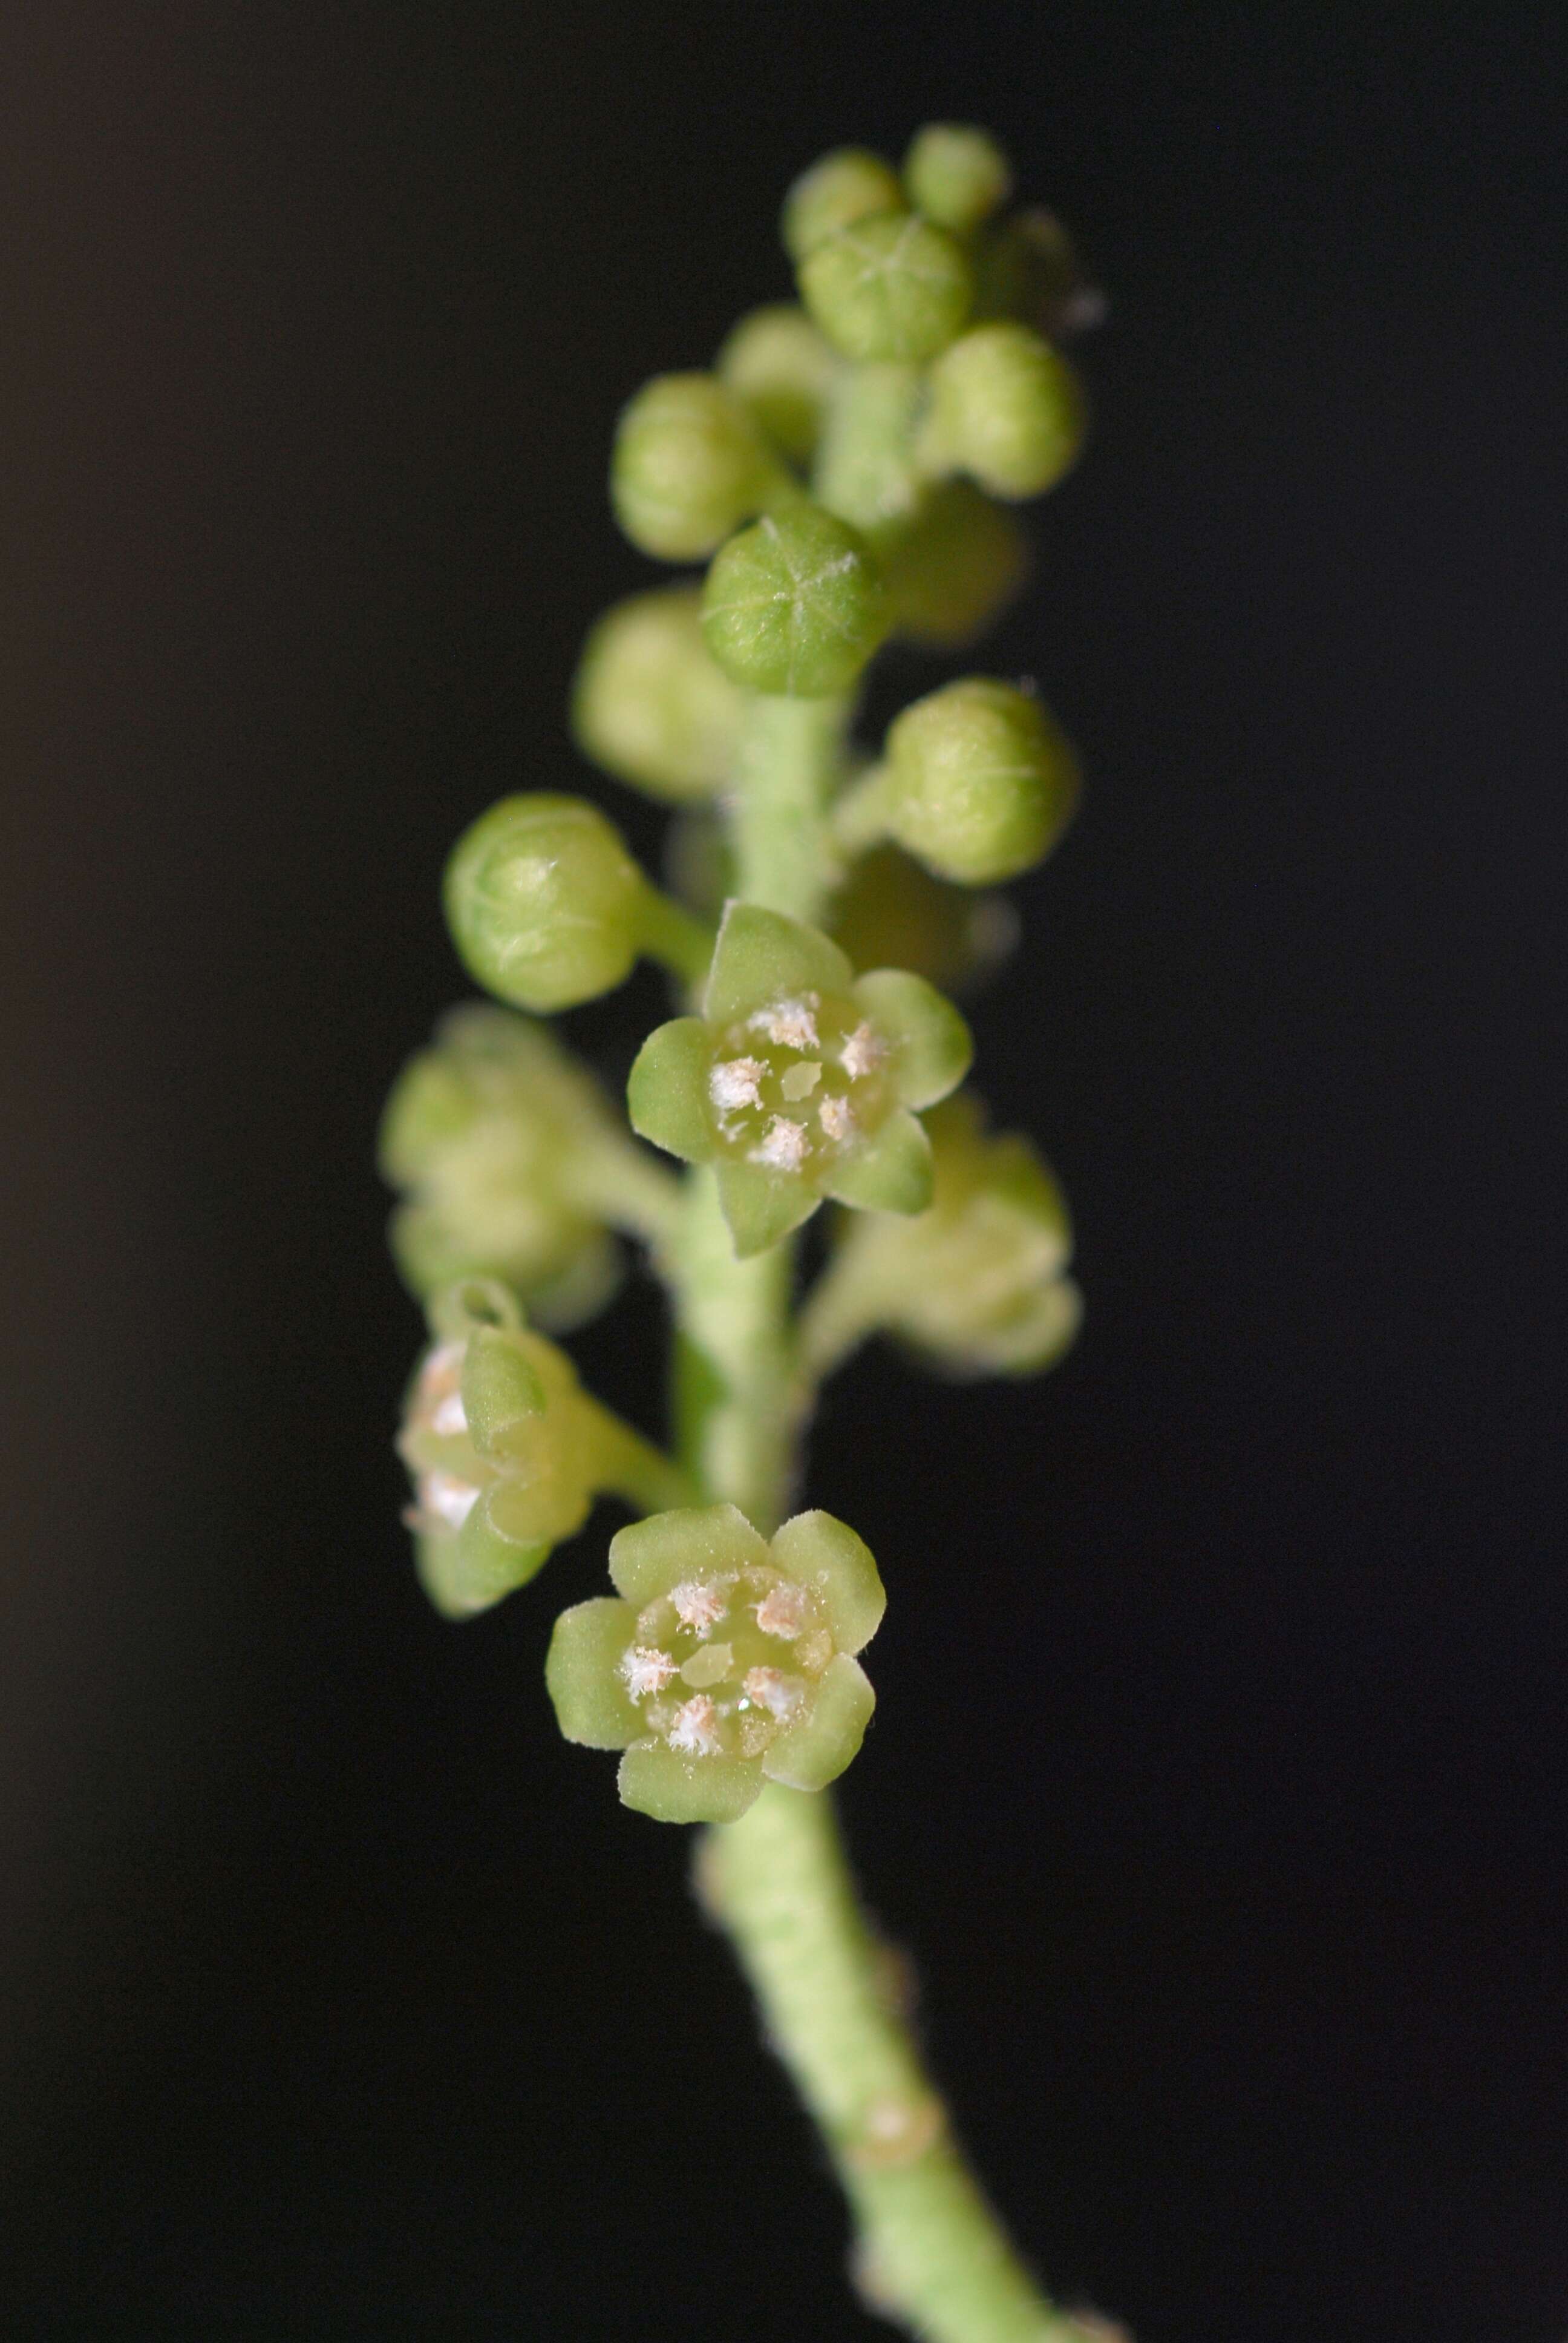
{"x": 725, "y": 1659}
{"x": 800, "y": 1080}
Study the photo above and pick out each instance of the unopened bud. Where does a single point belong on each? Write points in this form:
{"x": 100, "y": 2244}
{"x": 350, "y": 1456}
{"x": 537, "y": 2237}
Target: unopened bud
{"x": 777, "y": 363}
{"x": 957, "y": 176}
{"x": 650, "y": 705}
{"x": 889, "y": 287}
{"x": 980, "y": 782}
{"x": 543, "y": 900}
{"x": 846, "y": 186}
{"x": 687, "y": 468}
{"x": 954, "y": 568}
{"x": 1007, "y": 408}
{"x": 795, "y": 605}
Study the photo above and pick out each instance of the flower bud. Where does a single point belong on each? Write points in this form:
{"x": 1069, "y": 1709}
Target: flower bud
{"x": 689, "y": 467}
{"x": 893, "y": 913}
{"x": 543, "y": 902}
{"x": 648, "y": 703}
{"x": 1026, "y": 267}
{"x": 779, "y": 364}
{"x": 979, "y": 783}
{"x": 492, "y": 1136}
{"x": 1007, "y": 410}
{"x": 892, "y": 287}
{"x": 954, "y": 567}
{"x": 957, "y": 176}
{"x": 846, "y": 186}
{"x": 794, "y": 604}
{"x": 725, "y": 1660}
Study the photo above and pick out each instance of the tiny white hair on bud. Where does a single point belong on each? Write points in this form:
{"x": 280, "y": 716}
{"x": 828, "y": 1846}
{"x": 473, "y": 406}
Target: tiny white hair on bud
{"x": 862, "y": 1053}
{"x": 837, "y": 1117}
{"x": 736, "y": 1083}
{"x": 784, "y": 1147}
{"x": 772, "y": 1692}
{"x": 447, "y": 1498}
{"x": 782, "y": 1611}
{"x": 645, "y": 1670}
{"x": 695, "y": 1731}
{"x": 791, "y": 1024}
{"x": 699, "y": 1604}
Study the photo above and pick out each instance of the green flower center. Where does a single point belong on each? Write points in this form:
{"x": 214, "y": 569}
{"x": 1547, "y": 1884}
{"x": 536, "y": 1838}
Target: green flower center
{"x": 797, "y": 1082}
{"x": 720, "y": 1667}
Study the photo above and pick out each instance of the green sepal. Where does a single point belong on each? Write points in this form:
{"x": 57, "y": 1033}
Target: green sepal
{"x": 763, "y": 957}
{"x": 582, "y": 1674}
{"x": 656, "y": 1781}
{"x": 932, "y": 1046}
{"x": 825, "y": 1554}
{"x": 890, "y": 1174}
{"x": 1035, "y": 1338}
{"x": 814, "y": 1752}
{"x": 890, "y": 286}
{"x": 475, "y": 1569}
{"x": 762, "y": 1207}
{"x": 524, "y": 1510}
{"x": 667, "y": 1092}
{"x": 500, "y": 1389}
{"x": 688, "y": 1542}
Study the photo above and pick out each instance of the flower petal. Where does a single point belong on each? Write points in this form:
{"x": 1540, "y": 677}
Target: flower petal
{"x": 499, "y": 1387}
{"x": 816, "y": 1751}
{"x": 890, "y": 1174}
{"x": 660, "y": 1782}
{"x": 932, "y": 1046}
{"x": 763, "y": 957}
{"x": 476, "y": 1568}
{"x": 761, "y": 1207}
{"x": 667, "y": 1093}
{"x": 689, "y": 1542}
{"x": 582, "y": 1674}
{"x": 825, "y": 1554}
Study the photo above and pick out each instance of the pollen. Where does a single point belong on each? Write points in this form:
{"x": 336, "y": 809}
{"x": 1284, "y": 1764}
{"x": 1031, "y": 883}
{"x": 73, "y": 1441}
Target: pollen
{"x": 862, "y": 1053}
{"x": 784, "y": 1148}
{"x": 837, "y": 1118}
{"x": 694, "y": 1729}
{"x": 772, "y": 1692}
{"x": 782, "y": 1611}
{"x": 447, "y": 1498}
{"x": 736, "y": 1083}
{"x": 791, "y": 1024}
{"x": 699, "y": 1604}
{"x": 645, "y": 1670}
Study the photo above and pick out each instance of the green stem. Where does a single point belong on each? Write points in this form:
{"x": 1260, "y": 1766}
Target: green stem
{"x": 791, "y": 761}
{"x": 671, "y": 935}
{"x": 931, "y": 2251}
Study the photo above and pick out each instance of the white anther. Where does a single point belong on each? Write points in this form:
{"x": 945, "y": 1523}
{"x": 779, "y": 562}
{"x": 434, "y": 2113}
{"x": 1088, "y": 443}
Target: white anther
{"x": 699, "y": 1604}
{"x": 450, "y": 1500}
{"x": 645, "y": 1670}
{"x": 696, "y": 1727}
{"x": 792, "y": 1023}
{"x": 451, "y": 1416}
{"x": 862, "y": 1053}
{"x": 837, "y": 1117}
{"x": 782, "y": 1611}
{"x": 736, "y": 1083}
{"x": 784, "y": 1148}
{"x": 772, "y": 1692}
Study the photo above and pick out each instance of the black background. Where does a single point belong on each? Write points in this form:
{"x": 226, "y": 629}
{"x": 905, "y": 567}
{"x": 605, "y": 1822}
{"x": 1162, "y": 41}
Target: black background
{"x": 1218, "y": 1777}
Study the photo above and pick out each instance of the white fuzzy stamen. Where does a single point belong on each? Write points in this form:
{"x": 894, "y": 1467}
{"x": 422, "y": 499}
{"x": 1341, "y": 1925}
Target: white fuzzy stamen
{"x": 645, "y": 1670}
{"x": 784, "y": 1148}
{"x": 837, "y": 1117}
{"x": 736, "y": 1083}
{"x": 451, "y": 1416}
{"x": 782, "y": 1611}
{"x": 699, "y": 1605}
{"x": 862, "y": 1053}
{"x": 772, "y": 1692}
{"x": 792, "y": 1023}
{"x": 696, "y": 1727}
{"x": 447, "y": 1498}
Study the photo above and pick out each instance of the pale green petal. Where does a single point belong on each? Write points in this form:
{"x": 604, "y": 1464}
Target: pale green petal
{"x": 499, "y": 1388}
{"x": 474, "y": 1569}
{"x": 890, "y": 1174}
{"x": 816, "y": 1751}
{"x": 761, "y": 1207}
{"x": 548, "y": 1507}
{"x": 667, "y": 1093}
{"x": 690, "y": 1542}
{"x": 932, "y": 1046}
{"x": 582, "y": 1674}
{"x": 660, "y": 1782}
{"x": 763, "y": 957}
{"x": 825, "y": 1554}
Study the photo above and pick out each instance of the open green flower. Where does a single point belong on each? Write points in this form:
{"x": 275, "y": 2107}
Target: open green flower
{"x": 506, "y": 1453}
{"x": 800, "y": 1080}
{"x": 725, "y": 1659}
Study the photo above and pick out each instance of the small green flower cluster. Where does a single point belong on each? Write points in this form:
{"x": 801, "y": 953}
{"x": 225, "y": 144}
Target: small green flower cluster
{"x": 846, "y": 470}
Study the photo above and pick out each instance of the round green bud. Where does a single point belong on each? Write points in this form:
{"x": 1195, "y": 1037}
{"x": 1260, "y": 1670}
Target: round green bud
{"x": 779, "y": 364}
{"x": 957, "y": 176}
{"x": 980, "y": 782}
{"x": 954, "y": 567}
{"x": 846, "y": 186}
{"x": 794, "y": 605}
{"x": 1007, "y": 410}
{"x": 543, "y": 902}
{"x": 687, "y": 468}
{"x": 889, "y": 287}
{"x": 649, "y": 705}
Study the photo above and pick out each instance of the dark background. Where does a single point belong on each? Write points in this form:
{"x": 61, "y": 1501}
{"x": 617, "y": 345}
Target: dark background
{"x": 1219, "y": 1772}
